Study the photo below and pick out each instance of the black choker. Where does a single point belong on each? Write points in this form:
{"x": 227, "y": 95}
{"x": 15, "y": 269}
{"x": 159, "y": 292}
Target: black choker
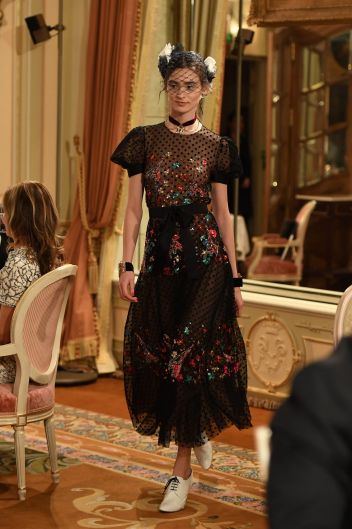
{"x": 181, "y": 126}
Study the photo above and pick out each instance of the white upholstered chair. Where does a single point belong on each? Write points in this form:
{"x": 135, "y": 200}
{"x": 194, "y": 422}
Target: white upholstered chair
{"x": 343, "y": 316}
{"x": 35, "y": 341}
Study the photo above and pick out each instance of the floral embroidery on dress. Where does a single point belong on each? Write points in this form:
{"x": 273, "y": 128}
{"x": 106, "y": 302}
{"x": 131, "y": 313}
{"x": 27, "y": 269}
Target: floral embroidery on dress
{"x": 183, "y": 358}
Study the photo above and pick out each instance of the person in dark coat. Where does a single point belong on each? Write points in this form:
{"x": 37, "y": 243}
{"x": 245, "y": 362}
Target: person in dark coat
{"x": 310, "y": 472}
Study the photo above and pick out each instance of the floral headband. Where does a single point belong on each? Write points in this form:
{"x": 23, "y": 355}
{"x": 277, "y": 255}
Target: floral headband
{"x": 168, "y": 60}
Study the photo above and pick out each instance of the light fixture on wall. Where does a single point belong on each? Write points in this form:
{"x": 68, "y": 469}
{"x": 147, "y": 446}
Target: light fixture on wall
{"x": 244, "y": 36}
{"x": 39, "y": 30}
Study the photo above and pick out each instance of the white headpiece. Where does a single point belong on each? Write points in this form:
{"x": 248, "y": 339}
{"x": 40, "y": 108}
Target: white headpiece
{"x": 166, "y": 51}
{"x": 210, "y": 63}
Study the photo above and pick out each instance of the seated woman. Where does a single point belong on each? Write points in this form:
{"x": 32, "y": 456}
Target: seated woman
{"x": 31, "y": 221}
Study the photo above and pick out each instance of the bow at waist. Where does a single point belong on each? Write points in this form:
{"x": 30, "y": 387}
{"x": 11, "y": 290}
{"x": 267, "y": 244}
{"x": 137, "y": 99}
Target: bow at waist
{"x": 182, "y": 216}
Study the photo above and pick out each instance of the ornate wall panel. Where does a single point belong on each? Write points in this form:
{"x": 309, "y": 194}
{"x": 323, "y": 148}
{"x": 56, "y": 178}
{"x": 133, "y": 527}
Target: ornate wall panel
{"x": 282, "y": 335}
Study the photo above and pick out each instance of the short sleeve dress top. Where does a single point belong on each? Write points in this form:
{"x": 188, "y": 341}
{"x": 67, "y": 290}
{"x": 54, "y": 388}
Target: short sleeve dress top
{"x": 185, "y": 364}
{"x": 18, "y": 273}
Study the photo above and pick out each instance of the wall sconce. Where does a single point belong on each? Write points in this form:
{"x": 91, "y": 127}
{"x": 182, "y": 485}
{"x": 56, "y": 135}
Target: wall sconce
{"x": 39, "y": 30}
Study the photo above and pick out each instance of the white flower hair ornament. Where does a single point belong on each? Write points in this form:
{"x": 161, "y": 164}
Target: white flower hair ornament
{"x": 210, "y": 63}
{"x": 166, "y": 51}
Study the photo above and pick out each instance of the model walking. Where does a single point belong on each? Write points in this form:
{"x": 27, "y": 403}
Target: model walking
{"x": 184, "y": 357}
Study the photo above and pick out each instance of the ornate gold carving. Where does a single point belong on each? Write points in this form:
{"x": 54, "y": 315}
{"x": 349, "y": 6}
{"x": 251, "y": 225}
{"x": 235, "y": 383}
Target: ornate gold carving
{"x": 271, "y": 351}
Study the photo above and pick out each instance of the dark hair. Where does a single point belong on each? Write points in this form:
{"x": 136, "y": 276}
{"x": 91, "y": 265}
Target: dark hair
{"x": 33, "y": 221}
{"x": 181, "y": 58}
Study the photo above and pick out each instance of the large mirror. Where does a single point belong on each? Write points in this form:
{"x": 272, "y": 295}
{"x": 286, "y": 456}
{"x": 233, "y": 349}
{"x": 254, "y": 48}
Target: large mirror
{"x": 296, "y": 132}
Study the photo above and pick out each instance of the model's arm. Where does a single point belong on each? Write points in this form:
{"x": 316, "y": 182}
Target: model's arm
{"x": 224, "y": 221}
{"x": 131, "y": 225}
{"x": 5, "y": 323}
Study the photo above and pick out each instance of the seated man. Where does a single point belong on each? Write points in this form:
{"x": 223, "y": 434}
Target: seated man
{"x": 310, "y": 473}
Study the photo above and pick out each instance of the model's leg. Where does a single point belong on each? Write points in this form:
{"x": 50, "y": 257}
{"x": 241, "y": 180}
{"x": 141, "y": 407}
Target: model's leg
{"x": 182, "y": 466}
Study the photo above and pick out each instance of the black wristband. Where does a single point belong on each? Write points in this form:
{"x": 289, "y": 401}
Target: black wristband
{"x": 125, "y": 266}
{"x": 129, "y": 266}
{"x": 237, "y": 281}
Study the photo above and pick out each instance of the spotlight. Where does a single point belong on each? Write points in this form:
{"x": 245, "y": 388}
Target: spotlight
{"x": 39, "y": 30}
{"x": 246, "y": 35}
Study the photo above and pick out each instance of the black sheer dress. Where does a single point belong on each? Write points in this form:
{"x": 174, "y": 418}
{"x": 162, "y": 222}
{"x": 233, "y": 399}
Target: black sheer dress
{"x": 184, "y": 358}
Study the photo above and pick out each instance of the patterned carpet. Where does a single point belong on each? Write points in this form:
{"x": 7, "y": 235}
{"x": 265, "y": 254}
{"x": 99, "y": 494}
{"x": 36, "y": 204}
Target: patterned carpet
{"x": 113, "y": 478}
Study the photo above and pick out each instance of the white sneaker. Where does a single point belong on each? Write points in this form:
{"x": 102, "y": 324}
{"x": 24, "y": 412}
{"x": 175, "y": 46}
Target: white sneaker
{"x": 175, "y": 494}
{"x": 204, "y": 455}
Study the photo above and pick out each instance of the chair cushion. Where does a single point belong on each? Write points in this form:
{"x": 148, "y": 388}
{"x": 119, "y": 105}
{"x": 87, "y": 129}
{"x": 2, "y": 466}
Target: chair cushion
{"x": 270, "y": 235}
{"x": 272, "y": 264}
{"x": 40, "y": 398}
{"x": 276, "y": 240}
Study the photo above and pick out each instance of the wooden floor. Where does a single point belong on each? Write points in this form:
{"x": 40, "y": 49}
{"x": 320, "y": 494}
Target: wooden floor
{"x": 107, "y": 396}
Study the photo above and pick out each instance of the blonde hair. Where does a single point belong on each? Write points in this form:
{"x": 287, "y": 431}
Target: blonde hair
{"x": 33, "y": 220}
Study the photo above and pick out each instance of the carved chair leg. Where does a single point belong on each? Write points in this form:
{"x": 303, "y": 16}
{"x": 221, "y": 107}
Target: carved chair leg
{"x": 51, "y": 440}
{"x": 20, "y": 461}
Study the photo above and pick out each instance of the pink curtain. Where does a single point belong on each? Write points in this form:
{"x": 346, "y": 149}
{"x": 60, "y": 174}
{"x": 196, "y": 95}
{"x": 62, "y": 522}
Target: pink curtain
{"x": 111, "y": 51}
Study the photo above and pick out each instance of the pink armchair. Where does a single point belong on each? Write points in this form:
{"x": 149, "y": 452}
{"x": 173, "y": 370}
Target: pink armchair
{"x": 263, "y": 265}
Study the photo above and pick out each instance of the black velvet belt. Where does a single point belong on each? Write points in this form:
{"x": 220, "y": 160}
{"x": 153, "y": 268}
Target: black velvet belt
{"x": 172, "y": 217}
